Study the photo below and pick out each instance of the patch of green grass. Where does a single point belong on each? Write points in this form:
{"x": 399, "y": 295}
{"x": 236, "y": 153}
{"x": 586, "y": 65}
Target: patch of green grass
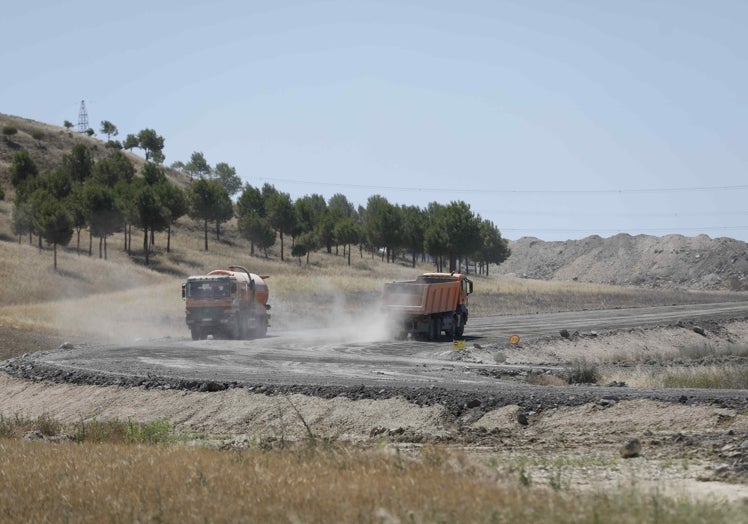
{"x": 127, "y": 432}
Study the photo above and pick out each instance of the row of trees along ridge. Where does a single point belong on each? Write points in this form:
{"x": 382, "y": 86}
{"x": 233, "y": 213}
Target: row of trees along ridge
{"x": 106, "y": 196}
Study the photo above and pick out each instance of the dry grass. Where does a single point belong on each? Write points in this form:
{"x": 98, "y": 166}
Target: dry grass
{"x": 67, "y": 482}
{"x": 511, "y": 295}
{"x": 694, "y": 366}
{"x": 723, "y": 376}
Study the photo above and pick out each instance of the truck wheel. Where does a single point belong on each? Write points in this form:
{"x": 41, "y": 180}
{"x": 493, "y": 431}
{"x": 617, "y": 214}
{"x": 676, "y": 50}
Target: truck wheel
{"x": 195, "y": 333}
{"x": 262, "y": 329}
{"x": 451, "y": 331}
{"x": 433, "y": 333}
{"x": 459, "y": 326}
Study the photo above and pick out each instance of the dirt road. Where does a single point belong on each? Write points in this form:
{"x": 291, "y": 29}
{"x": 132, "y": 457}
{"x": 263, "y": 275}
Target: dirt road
{"x": 350, "y": 385}
{"x": 332, "y": 362}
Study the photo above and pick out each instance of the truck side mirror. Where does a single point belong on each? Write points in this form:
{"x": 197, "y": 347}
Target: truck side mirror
{"x": 469, "y": 286}
{"x": 184, "y": 291}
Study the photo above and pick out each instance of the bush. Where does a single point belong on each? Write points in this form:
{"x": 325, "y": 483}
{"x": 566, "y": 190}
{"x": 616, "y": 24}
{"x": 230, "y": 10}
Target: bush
{"x": 9, "y": 131}
{"x": 582, "y": 372}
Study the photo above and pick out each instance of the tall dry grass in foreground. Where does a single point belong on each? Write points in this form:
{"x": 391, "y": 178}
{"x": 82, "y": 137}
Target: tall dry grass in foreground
{"x": 42, "y": 482}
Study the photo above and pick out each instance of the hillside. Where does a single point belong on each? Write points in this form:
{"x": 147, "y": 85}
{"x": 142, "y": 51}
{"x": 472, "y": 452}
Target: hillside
{"x": 694, "y": 262}
{"x": 669, "y": 261}
{"x": 47, "y": 144}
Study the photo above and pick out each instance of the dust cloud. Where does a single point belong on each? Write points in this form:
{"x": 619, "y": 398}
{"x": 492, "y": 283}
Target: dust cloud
{"x": 334, "y": 314}
{"x": 145, "y": 311}
{"x": 142, "y": 312}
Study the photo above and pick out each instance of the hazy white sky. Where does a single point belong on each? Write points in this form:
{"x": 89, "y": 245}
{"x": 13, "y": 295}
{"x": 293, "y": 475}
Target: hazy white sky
{"x": 556, "y": 119}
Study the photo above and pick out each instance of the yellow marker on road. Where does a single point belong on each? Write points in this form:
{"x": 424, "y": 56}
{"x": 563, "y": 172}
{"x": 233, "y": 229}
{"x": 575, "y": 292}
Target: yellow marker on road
{"x": 514, "y": 340}
{"x": 458, "y": 344}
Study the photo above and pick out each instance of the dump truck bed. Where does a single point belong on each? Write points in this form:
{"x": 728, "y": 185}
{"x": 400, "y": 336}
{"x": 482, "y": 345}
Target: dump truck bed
{"x": 419, "y": 298}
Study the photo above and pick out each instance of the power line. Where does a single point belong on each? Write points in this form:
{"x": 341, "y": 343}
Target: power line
{"x": 619, "y": 230}
{"x": 512, "y": 191}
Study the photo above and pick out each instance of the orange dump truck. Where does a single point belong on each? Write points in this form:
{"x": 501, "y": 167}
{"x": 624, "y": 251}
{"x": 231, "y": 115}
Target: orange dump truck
{"x": 429, "y": 305}
{"x": 227, "y": 303}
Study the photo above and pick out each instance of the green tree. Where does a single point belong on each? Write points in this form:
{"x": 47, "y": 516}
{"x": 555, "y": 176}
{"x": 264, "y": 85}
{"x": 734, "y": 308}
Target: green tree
{"x": 435, "y": 239}
{"x": 114, "y": 169}
{"x": 462, "y": 227}
{"x": 251, "y": 200}
{"x": 494, "y": 249}
{"x": 338, "y": 208}
{"x": 22, "y": 220}
{"x": 68, "y": 124}
{"x": 79, "y": 163}
{"x": 249, "y": 207}
{"x": 22, "y": 169}
{"x": 153, "y": 175}
{"x": 153, "y": 145}
{"x": 152, "y": 214}
{"x": 175, "y": 202}
{"x": 414, "y": 230}
{"x": 197, "y": 167}
{"x": 228, "y": 178}
{"x": 102, "y": 213}
{"x": 311, "y": 213}
{"x": 258, "y": 231}
{"x": 383, "y": 225}
{"x": 281, "y": 215}
{"x": 224, "y": 209}
{"x": 347, "y": 233}
{"x": 299, "y": 250}
{"x": 52, "y": 221}
{"x": 59, "y": 184}
{"x": 131, "y": 142}
{"x": 109, "y": 129}
{"x": 77, "y": 210}
{"x": 207, "y": 197}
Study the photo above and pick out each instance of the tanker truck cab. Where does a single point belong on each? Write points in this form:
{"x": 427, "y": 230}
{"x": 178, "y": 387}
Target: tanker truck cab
{"x": 226, "y": 303}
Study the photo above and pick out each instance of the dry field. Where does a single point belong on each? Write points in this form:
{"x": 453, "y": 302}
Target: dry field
{"x": 88, "y": 454}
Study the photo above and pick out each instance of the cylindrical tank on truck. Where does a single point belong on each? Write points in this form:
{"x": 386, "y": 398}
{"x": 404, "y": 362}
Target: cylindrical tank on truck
{"x": 227, "y": 303}
{"x": 432, "y": 304}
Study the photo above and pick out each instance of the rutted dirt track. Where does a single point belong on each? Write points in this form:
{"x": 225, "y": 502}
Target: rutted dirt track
{"x": 288, "y": 384}
{"x": 323, "y": 363}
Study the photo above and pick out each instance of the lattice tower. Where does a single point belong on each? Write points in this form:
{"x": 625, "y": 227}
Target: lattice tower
{"x": 83, "y": 118}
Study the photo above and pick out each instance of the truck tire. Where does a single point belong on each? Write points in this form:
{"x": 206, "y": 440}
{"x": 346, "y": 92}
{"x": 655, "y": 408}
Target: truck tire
{"x": 433, "y": 333}
{"x": 459, "y": 325}
{"x": 262, "y": 329}
{"x": 451, "y": 331}
{"x": 197, "y": 333}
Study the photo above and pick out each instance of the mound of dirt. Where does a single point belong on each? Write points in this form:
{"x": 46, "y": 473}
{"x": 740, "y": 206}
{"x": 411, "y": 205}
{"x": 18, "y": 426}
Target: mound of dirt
{"x": 697, "y": 262}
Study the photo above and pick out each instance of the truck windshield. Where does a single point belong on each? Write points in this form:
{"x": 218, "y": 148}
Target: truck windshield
{"x": 208, "y": 289}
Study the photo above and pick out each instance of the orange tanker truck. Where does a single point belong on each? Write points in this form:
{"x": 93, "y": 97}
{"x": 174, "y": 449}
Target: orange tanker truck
{"x": 227, "y": 303}
{"x": 429, "y": 305}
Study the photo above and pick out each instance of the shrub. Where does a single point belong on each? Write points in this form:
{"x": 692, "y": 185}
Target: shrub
{"x": 9, "y": 131}
{"x": 582, "y": 372}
